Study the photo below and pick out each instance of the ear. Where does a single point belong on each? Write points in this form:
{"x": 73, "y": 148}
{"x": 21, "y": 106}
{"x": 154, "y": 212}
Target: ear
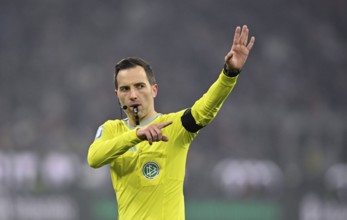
{"x": 154, "y": 90}
{"x": 116, "y": 93}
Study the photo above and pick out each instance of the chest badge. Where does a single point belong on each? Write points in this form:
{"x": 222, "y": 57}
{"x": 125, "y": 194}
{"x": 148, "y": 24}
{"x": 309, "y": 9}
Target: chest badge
{"x": 150, "y": 170}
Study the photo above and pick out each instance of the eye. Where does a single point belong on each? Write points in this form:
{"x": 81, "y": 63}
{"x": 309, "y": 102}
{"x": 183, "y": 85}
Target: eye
{"x": 123, "y": 88}
{"x": 140, "y": 86}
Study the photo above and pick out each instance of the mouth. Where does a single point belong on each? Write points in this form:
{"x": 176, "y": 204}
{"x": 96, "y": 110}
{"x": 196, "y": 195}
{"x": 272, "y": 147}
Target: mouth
{"x": 134, "y": 107}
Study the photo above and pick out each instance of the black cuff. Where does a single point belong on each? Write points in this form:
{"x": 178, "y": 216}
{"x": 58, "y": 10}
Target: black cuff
{"x": 230, "y": 73}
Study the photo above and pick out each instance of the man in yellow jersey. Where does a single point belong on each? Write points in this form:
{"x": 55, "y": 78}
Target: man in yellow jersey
{"x": 147, "y": 151}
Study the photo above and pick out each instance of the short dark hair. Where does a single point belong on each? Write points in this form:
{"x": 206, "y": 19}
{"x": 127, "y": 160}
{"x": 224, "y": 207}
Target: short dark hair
{"x": 132, "y": 62}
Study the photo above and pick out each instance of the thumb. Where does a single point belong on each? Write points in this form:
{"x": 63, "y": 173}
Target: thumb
{"x": 228, "y": 56}
{"x": 164, "y": 138}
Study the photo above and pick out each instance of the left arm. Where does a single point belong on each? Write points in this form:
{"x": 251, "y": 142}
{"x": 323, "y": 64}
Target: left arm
{"x": 207, "y": 107}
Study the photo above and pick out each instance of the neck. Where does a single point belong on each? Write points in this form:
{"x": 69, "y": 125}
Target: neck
{"x": 136, "y": 119}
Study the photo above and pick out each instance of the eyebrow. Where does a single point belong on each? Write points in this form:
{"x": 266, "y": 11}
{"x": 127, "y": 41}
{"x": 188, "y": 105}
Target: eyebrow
{"x": 139, "y": 83}
{"x": 135, "y": 84}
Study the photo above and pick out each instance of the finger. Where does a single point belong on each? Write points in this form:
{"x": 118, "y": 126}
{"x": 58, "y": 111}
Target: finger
{"x": 237, "y": 35}
{"x": 159, "y": 134}
{"x": 149, "y": 137}
{"x": 251, "y": 43}
{"x": 244, "y": 35}
{"x": 156, "y": 134}
{"x": 164, "y": 138}
{"x": 153, "y": 134}
{"x": 165, "y": 124}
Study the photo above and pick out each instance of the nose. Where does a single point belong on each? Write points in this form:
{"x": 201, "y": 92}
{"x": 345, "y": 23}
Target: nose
{"x": 133, "y": 94}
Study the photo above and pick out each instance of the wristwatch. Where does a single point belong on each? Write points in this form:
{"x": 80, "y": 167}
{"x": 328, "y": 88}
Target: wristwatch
{"x": 230, "y": 73}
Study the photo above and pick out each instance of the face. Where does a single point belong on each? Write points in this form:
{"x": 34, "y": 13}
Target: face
{"x": 135, "y": 89}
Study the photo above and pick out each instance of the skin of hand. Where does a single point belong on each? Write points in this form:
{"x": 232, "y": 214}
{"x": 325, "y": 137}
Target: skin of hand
{"x": 153, "y": 132}
{"x": 238, "y": 54}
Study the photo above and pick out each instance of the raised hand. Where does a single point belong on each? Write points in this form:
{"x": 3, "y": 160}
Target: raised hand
{"x": 237, "y": 56}
{"x": 153, "y": 133}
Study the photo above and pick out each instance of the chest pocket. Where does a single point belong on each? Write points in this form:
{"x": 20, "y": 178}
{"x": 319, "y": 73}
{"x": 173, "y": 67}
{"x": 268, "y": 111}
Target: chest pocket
{"x": 151, "y": 168}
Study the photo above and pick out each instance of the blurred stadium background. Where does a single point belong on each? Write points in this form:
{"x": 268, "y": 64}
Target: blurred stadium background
{"x": 276, "y": 151}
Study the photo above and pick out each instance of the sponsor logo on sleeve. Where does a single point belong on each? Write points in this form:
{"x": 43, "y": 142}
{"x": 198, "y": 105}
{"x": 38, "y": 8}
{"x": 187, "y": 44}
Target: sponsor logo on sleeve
{"x": 99, "y": 132}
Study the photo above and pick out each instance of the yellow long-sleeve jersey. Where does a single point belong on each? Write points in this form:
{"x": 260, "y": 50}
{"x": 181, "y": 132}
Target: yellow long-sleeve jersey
{"x": 148, "y": 179}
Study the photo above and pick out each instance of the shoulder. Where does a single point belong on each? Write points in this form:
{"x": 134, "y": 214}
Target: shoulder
{"x": 177, "y": 131}
{"x": 110, "y": 128}
{"x": 182, "y": 120}
{"x": 109, "y": 124}
{"x": 171, "y": 116}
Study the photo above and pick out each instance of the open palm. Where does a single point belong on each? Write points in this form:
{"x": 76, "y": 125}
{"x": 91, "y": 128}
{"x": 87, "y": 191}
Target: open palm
{"x": 238, "y": 54}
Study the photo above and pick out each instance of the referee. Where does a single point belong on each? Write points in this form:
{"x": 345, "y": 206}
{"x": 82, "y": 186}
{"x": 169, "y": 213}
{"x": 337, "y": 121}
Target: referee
{"x": 147, "y": 151}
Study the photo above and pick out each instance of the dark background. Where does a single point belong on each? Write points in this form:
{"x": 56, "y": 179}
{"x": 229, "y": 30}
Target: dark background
{"x": 277, "y": 149}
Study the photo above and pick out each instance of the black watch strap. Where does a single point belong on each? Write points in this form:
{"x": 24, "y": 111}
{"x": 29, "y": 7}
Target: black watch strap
{"x": 230, "y": 73}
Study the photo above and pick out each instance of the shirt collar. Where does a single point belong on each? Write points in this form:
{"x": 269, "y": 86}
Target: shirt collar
{"x": 142, "y": 123}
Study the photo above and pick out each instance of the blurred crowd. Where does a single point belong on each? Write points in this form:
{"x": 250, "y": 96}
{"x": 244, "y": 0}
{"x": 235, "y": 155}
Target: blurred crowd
{"x": 281, "y": 136}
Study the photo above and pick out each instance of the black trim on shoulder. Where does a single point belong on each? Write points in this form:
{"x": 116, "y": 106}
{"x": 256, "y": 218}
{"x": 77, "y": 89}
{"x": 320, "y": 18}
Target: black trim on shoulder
{"x": 189, "y": 123}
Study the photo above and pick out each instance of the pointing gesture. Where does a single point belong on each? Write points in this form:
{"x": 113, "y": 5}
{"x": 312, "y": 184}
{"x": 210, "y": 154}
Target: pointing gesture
{"x": 153, "y": 133}
{"x": 237, "y": 56}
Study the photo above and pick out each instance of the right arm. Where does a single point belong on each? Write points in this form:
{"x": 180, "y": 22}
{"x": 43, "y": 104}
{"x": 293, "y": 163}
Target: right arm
{"x": 107, "y": 147}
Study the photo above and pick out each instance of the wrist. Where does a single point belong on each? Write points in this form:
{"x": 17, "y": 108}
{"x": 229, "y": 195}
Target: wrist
{"x": 230, "y": 72}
